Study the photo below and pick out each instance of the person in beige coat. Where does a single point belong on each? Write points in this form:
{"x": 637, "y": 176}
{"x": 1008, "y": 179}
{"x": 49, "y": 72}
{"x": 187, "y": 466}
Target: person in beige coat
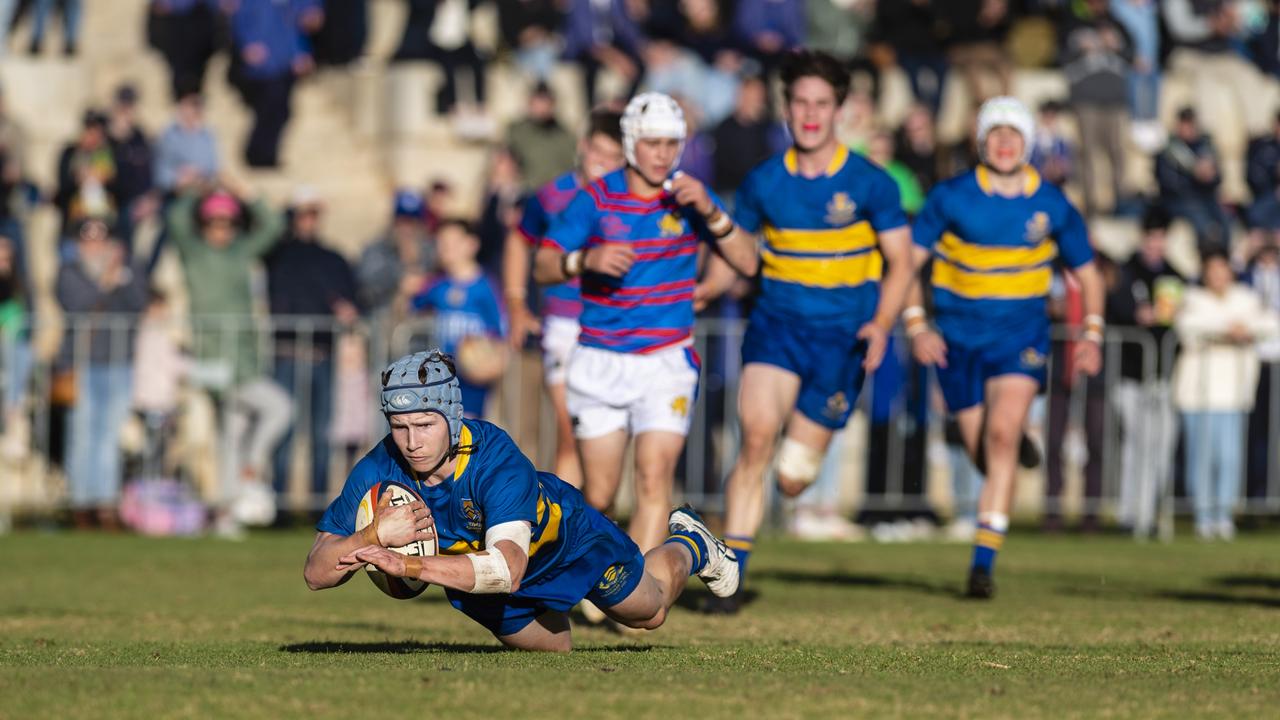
{"x": 1214, "y": 381}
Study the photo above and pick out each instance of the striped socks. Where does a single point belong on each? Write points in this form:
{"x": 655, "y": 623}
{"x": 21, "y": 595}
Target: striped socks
{"x": 986, "y": 544}
{"x": 694, "y": 543}
{"x": 741, "y": 546}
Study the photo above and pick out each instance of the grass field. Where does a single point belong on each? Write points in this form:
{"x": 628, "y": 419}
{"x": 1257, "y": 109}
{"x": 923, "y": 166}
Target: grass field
{"x": 100, "y": 627}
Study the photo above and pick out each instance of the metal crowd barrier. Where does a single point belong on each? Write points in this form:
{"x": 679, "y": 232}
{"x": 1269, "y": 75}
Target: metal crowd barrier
{"x": 887, "y": 461}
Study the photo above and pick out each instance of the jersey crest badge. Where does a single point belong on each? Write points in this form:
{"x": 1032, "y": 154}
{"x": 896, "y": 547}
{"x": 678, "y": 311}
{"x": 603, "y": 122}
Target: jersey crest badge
{"x": 1037, "y": 228}
{"x": 475, "y": 518}
{"x": 680, "y": 406}
{"x": 671, "y": 225}
{"x": 840, "y": 209}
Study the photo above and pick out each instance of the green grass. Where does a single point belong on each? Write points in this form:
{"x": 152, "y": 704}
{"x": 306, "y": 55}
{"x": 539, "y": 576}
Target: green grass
{"x": 94, "y": 626}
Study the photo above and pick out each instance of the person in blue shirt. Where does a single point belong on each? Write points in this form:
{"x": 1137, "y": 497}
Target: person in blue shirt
{"x": 635, "y": 236}
{"x": 517, "y": 547}
{"x": 994, "y": 233}
{"x": 828, "y": 220}
{"x": 599, "y": 153}
{"x": 463, "y": 301}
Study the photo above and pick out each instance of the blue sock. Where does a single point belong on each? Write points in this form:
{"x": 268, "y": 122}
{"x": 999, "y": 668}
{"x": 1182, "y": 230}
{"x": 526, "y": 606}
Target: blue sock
{"x": 985, "y": 546}
{"x": 741, "y": 546}
{"x": 692, "y": 542}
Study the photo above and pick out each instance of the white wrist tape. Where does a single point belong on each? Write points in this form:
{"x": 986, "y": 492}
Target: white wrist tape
{"x": 913, "y": 312}
{"x": 493, "y": 576}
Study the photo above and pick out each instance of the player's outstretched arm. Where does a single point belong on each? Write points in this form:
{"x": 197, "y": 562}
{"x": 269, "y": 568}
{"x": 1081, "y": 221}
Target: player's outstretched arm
{"x": 391, "y": 527}
{"x": 499, "y": 569}
{"x": 739, "y": 247}
{"x": 515, "y": 284}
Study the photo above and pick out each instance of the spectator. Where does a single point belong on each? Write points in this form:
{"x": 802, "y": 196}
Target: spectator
{"x": 465, "y": 304}
{"x": 439, "y": 203}
{"x": 395, "y": 267}
{"x": 602, "y": 34}
{"x": 1215, "y": 380}
{"x": 341, "y": 37}
{"x": 881, "y": 152}
{"x": 70, "y": 10}
{"x": 910, "y": 28}
{"x": 501, "y": 210}
{"x": 767, "y": 29}
{"x": 841, "y": 29}
{"x": 1097, "y": 57}
{"x": 15, "y": 351}
{"x": 1051, "y": 151}
{"x": 440, "y": 31}
{"x": 857, "y": 123}
{"x": 1065, "y": 384}
{"x": 679, "y": 72}
{"x": 7, "y": 8}
{"x": 977, "y": 29}
{"x": 14, "y": 192}
{"x": 1145, "y": 300}
{"x": 1205, "y": 35}
{"x": 696, "y": 158}
{"x": 158, "y": 373}
{"x": 186, "y": 154}
{"x": 745, "y": 138}
{"x": 529, "y": 29}
{"x": 539, "y": 143}
{"x": 87, "y": 175}
{"x": 269, "y": 52}
{"x": 1263, "y": 174}
{"x": 218, "y": 247}
{"x": 310, "y": 288}
{"x": 917, "y": 147}
{"x": 132, "y": 154}
{"x": 1140, "y": 19}
{"x": 1188, "y": 173}
{"x": 1263, "y": 275}
{"x": 184, "y": 32}
{"x": 101, "y": 294}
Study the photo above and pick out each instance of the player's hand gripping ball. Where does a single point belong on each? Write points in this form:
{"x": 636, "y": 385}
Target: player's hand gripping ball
{"x": 481, "y": 360}
{"x": 397, "y": 587}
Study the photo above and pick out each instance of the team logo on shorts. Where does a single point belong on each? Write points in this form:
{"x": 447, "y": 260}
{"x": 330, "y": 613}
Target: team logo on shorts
{"x": 671, "y": 225}
{"x": 475, "y": 518}
{"x": 1037, "y": 228}
{"x": 1032, "y": 359}
{"x": 837, "y": 405}
{"x": 840, "y": 209}
{"x": 680, "y": 406}
{"x": 613, "y": 579}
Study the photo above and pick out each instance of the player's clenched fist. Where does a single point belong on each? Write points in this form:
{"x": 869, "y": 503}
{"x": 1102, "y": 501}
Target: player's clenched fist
{"x": 690, "y": 192}
{"x": 609, "y": 259}
{"x": 395, "y": 526}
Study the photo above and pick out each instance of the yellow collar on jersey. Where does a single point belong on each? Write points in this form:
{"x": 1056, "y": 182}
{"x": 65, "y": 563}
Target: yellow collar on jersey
{"x": 838, "y": 160}
{"x": 1029, "y": 188}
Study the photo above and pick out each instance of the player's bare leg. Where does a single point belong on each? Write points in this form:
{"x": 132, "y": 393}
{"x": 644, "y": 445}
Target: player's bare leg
{"x": 766, "y": 396}
{"x": 602, "y": 468}
{"x": 1008, "y": 400}
{"x": 568, "y": 465}
{"x": 548, "y": 633}
{"x": 689, "y": 549}
{"x": 657, "y": 453}
{"x": 815, "y": 438}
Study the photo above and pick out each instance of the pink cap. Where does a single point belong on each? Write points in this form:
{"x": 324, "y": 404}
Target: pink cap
{"x": 219, "y": 204}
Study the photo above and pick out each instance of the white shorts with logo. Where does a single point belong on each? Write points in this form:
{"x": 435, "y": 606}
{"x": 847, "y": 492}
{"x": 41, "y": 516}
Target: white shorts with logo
{"x": 610, "y": 391}
{"x": 559, "y": 338}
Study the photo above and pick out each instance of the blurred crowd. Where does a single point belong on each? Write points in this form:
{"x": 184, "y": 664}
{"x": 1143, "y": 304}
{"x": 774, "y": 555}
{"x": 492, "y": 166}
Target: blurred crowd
{"x": 245, "y": 261}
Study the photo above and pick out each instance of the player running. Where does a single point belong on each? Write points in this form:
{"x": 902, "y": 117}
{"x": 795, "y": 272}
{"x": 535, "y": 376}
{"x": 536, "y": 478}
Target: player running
{"x": 829, "y": 221}
{"x": 994, "y": 233}
{"x": 599, "y": 153}
{"x": 518, "y": 547}
{"x": 634, "y": 237}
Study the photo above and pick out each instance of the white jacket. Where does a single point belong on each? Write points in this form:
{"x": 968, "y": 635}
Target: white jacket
{"x": 1212, "y": 372}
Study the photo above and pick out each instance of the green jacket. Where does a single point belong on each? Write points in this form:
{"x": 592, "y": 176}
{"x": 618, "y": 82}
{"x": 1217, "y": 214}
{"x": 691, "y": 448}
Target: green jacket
{"x": 219, "y": 283}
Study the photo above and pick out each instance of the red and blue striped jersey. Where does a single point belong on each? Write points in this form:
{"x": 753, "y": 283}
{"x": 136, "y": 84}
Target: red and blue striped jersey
{"x": 651, "y": 307}
{"x": 565, "y": 299}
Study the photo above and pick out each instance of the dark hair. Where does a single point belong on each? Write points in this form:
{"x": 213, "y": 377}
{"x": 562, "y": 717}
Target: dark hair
{"x": 1187, "y": 114}
{"x": 462, "y": 224}
{"x": 604, "y": 121}
{"x": 1156, "y": 218}
{"x": 1215, "y": 251}
{"x": 814, "y": 63}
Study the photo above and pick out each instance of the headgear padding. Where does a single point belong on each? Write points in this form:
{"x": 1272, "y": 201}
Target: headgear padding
{"x": 424, "y": 382}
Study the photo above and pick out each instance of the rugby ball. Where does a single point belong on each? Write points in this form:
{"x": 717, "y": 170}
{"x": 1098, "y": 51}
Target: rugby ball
{"x": 396, "y": 587}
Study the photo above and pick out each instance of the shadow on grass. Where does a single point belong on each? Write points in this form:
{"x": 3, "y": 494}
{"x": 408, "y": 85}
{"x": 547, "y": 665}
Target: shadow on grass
{"x": 1219, "y": 598}
{"x": 843, "y": 579}
{"x": 1269, "y": 582}
{"x": 408, "y": 647}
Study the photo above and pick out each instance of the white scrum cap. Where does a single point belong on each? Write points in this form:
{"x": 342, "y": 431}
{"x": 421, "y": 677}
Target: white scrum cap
{"x": 652, "y": 115}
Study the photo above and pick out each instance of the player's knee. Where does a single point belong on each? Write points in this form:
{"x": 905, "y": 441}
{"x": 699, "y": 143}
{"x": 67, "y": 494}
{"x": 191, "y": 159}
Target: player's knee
{"x": 757, "y": 446}
{"x": 1003, "y": 437}
{"x": 798, "y": 466}
{"x": 650, "y": 623}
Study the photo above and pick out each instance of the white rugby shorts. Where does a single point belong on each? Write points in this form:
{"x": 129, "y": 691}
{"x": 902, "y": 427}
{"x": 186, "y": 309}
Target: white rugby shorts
{"x": 610, "y": 391}
{"x": 559, "y": 338}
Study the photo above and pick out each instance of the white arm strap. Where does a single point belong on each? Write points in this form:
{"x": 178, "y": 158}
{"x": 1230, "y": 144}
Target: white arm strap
{"x": 493, "y": 575}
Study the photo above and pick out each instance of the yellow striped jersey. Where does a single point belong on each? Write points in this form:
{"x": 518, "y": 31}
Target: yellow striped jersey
{"x": 819, "y": 258}
{"x": 993, "y": 255}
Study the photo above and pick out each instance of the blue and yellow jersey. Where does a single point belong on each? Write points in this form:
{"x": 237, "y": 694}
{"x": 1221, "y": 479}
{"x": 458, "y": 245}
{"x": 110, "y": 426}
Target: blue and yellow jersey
{"x": 820, "y": 260}
{"x": 492, "y": 484}
{"x": 651, "y": 307}
{"x": 993, "y": 256}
